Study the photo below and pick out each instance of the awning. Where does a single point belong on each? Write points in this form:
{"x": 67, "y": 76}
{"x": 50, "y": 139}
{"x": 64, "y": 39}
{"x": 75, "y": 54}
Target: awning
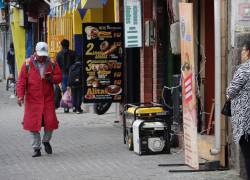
{"x": 59, "y": 9}
{"x": 88, "y": 4}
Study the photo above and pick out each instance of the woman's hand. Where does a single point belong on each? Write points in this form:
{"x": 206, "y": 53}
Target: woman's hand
{"x": 20, "y": 101}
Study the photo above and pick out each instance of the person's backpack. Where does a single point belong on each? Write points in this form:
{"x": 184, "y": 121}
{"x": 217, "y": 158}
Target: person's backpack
{"x": 68, "y": 58}
{"x": 75, "y": 75}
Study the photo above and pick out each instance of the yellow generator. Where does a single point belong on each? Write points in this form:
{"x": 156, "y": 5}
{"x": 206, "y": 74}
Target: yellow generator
{"x": 146, "y": 128}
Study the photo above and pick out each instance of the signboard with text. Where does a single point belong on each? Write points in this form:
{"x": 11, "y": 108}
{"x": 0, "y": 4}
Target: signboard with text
{"x": 132, "y": 23}
{"x": 54, "y": 45}
{"x": 188, "y": 85}
{"x": 102, "y": 62}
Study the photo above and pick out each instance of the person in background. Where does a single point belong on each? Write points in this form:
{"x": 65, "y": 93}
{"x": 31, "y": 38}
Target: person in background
{"x": 239, "y": 94}
{"x": 65, "y": 58}
{"x": 76, "y": 85}
{"x": 11, "y": 60}
{"x": 35, "y": 90}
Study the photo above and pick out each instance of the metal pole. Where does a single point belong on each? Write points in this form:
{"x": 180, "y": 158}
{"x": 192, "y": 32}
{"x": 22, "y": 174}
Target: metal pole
{"x": 217, "y": 115}
{"x": 4, "y": 54}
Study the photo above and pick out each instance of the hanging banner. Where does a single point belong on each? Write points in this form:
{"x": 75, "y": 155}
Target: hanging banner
{"x": 102, "y": 62}
{"x": 132, "y": 23}
{"x": 188, "y": 85}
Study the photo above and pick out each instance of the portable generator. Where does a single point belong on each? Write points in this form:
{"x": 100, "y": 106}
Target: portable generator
{"x": 147, "y": 128}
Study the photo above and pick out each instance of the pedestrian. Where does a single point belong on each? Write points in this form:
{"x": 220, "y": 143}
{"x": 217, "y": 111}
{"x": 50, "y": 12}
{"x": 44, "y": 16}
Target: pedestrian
{"x": 76, "y": 85}
{"x": 11, "y": 60}
{"x": 65, "y": 58}
{"x": 35, "y": 90}
{"x": 239, "y": 94}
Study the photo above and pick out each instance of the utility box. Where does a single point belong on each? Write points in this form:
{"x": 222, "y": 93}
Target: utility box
{"x": 149, "y": 33}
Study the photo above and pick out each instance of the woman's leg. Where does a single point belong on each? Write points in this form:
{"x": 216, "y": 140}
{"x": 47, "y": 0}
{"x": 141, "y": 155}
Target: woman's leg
{"x": 74, "y": 98}
{"x": 79, "y": 99}
{"x": 245, "y": 149}
{"x": 36, "y": 140}
{"x": 64, "y": 82}
{"x": 12, "y": 66}
{"x": 36, "y": 143}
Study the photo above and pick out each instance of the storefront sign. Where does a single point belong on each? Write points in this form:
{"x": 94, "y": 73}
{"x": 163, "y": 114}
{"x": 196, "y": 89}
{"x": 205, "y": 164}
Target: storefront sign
{"x": 188, "y": 85}
{"x": 132, "y": 23}
{"x": 103, "y": 62}
{"x": 54, "y": 45}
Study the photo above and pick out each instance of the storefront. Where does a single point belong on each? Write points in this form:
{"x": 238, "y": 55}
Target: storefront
{"x": 66, "y": 18}
{"x": 160, "y": 60}
{"x": 28, "y": 26}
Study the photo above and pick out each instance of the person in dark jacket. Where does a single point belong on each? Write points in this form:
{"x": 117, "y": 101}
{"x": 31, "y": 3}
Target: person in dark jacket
{"x": 76, "y": 85}
{"x": 11, "y": 59}
{"x": 65, "y": 58}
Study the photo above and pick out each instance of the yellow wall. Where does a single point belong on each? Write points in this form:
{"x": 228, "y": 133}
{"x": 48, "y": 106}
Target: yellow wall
{"x": 18, "y": 34}
{"x": 77, "y": 23}
{"x": 58, "y": 29}
{"x": 94, "y": 15}
{"x": 109, "y": 11}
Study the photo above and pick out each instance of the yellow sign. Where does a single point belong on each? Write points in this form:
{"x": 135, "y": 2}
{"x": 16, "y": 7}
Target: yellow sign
{"x": 54, "y": 45}
{"x": 188, "y": 85}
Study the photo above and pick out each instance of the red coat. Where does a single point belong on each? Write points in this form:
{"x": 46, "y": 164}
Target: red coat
{"x": 39, "y": 96}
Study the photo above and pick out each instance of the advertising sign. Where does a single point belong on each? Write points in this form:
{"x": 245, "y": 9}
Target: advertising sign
{"x": 132, "y": 23}
{"x": 188, "y": 85}
{"x": 54, "y": 45}
{"x": 103, "y": 62}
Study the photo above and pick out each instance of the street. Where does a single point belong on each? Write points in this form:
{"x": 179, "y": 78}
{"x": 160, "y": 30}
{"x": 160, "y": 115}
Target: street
{"x": 85, "y": 147}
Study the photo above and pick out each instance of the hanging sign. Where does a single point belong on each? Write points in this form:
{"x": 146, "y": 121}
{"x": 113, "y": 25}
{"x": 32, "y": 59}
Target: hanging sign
{"x": 103, "y": 62}
{"x": 132, "y": 23}
{"x": 188, "y": 85}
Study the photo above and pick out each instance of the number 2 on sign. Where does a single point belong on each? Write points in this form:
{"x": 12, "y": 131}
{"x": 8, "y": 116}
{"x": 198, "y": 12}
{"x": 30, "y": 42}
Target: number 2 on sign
{"x": 90, "y": 47}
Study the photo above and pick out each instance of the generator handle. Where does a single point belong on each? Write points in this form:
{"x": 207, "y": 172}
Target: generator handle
{"x": 124, "y": 128}
{"x": 157, "y": 104}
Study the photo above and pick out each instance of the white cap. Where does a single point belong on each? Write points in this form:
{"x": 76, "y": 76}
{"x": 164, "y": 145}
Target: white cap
{"x": 42, "y": 49}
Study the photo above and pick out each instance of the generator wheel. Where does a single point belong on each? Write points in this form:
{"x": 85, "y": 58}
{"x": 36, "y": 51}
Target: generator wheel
{"x": 130, "y": 142}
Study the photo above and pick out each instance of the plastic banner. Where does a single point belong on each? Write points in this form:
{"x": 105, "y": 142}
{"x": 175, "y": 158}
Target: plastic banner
{"x": 188, "y": 85}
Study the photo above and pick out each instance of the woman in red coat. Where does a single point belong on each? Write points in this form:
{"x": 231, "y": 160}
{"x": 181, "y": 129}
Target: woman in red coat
{"x": 35, "y": 88}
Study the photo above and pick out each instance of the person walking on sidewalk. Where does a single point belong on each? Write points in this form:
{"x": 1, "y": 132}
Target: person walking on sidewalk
{"x": 239, "y": 94}
{"x": 11, "y": 60}
{"x": 35, "y": 89}
{"x": 65, "y": 58}
{"x": 76, "y": 85}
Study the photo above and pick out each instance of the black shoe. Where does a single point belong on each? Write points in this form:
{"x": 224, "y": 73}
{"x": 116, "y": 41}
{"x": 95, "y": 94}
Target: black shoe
{"x": 47, "y": 147}
{"x": 80, "y": 111}
{"x": 74, "y": 109}
{"x": 37, "y": 153}
{"x": 66, "y": 110}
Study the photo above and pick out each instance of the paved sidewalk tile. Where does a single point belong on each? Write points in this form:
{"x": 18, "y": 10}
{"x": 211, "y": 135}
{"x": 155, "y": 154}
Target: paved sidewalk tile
{"x": 85, "y": 147}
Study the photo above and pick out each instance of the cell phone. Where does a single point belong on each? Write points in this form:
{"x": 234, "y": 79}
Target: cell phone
{"x": 47, "y": 73}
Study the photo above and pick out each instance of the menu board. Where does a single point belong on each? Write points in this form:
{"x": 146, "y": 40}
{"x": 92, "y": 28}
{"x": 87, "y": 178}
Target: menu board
{"x": 102, "y": 62}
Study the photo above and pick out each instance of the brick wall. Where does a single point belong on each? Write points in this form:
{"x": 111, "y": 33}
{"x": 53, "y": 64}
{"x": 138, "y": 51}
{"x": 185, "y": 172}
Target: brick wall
{"x": 146, "y": 65}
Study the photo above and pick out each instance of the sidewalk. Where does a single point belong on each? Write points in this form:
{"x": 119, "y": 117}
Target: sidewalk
{"x": 86, "y": 147}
